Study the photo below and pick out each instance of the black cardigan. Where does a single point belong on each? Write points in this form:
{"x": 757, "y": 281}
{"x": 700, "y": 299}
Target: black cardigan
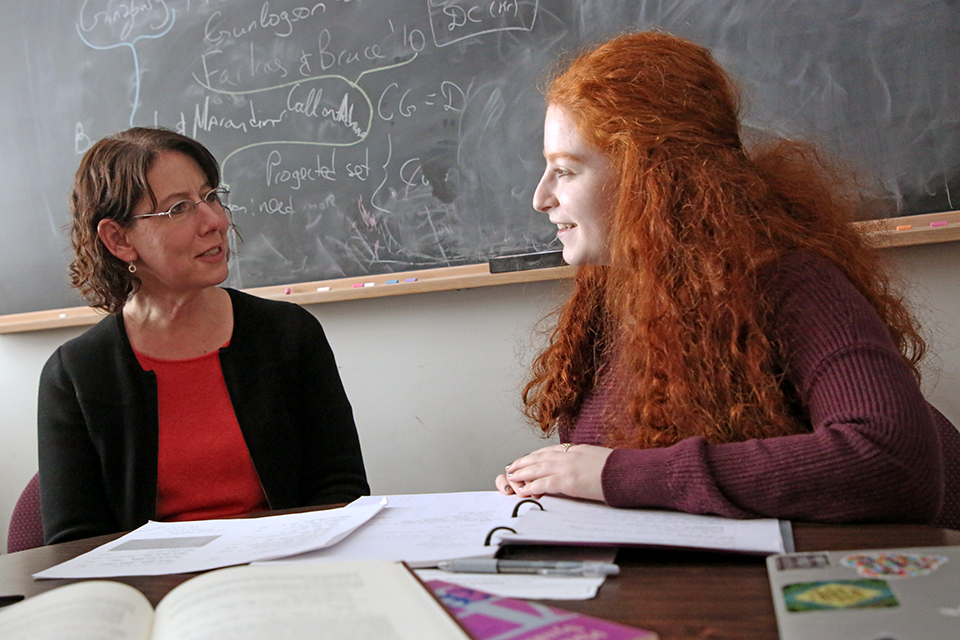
{"x": 98, "y": 421}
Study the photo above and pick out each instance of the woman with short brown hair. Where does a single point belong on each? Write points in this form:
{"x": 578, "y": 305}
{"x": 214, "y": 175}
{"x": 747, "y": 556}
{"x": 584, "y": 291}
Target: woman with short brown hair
{"x": 188, "y": 401}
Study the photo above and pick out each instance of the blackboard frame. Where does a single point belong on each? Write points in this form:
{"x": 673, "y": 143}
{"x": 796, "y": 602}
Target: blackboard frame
{"x": 931, "y": 228}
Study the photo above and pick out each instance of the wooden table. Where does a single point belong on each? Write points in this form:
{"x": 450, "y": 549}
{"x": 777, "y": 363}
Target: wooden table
{"x": 678, "y": 594}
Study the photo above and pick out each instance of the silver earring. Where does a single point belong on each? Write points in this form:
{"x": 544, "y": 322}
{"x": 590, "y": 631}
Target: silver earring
{"x": 132, "y": 268}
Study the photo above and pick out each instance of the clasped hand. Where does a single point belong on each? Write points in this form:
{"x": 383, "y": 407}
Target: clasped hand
{"x": 573, "y": 471}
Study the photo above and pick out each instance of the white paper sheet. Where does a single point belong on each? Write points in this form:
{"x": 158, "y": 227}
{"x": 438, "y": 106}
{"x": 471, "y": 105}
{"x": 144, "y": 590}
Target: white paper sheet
{"x": 520, "y": 586}
{"x": 161, "y": 548}
{"x": 565, "y": 521}
{"x": 422, "y": 529}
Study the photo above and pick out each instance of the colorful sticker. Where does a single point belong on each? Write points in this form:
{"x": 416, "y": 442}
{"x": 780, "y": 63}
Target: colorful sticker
{"x": 803, "y": 561}
{"x": 892, "y": 565}
{"x": 838, "y": 594}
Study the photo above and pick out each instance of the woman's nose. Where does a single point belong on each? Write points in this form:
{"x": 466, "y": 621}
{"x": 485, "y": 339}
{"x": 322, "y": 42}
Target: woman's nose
{"x": 213, "y": 216}
{"x": 543, "y": 199}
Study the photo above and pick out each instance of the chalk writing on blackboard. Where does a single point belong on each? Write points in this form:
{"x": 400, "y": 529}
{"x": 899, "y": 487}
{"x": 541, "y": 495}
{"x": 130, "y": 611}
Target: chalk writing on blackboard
{"x": 365, "y": 137}
{"x": 338, "y": 125}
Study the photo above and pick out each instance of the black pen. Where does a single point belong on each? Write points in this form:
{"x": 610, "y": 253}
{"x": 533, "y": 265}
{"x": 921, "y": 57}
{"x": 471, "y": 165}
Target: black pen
{"x": 534, "y": 567}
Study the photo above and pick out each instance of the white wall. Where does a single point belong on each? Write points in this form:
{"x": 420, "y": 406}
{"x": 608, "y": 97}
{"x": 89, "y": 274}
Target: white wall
{"x": 434, "y": 378}
{"x": 933, "y": 275}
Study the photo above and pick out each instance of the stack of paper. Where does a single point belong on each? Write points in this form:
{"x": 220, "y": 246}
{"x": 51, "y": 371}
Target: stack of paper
{"x": 421, "y": 530}
{"x": 163, "y": 548}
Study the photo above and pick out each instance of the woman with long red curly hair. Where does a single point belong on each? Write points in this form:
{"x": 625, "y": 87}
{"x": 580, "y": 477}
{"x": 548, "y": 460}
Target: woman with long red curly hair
{"x": 731, "y": 345}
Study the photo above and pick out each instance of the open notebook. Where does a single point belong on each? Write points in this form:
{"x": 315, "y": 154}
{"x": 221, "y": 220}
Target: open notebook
{"x": 869, "y": 594}
{"x": 560, "y": 521}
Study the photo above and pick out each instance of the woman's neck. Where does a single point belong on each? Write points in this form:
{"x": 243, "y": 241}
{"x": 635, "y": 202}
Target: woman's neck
{"x": 178, "y": 327}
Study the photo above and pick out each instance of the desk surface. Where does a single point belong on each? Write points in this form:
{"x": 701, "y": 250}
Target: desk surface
{"x": 678, "y": 594}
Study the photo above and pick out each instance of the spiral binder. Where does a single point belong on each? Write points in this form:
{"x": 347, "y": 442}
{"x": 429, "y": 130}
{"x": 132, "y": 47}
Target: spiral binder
{"x": 515, "y": 514}
{"x": 568, "y": 521}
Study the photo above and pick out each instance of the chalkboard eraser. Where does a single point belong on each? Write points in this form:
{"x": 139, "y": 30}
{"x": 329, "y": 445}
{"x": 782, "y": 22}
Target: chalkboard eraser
{"x": 525, "y": 261}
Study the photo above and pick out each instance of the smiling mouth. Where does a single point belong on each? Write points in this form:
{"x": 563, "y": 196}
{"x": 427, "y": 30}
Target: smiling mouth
{"x": 212, "y": 252}
{"x": 563, "y": 226}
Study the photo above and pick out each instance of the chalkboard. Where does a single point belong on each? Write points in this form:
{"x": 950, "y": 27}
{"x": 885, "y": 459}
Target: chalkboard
{"x": 372, "y": 136}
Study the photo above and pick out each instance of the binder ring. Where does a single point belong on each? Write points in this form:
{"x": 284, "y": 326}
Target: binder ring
{"x": 516, "y": 509}
{"x": 486, "y": 542}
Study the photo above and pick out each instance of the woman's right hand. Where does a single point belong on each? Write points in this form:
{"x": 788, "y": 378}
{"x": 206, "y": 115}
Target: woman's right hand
{"x": 564, "y": 469}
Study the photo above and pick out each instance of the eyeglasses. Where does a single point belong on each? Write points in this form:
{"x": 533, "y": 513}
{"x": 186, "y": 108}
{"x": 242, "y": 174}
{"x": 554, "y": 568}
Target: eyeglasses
{"x": 215, "y": 198}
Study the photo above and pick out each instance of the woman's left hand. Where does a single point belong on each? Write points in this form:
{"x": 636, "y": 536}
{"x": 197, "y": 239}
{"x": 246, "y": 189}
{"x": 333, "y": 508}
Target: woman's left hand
{"x": 570, "y": 470}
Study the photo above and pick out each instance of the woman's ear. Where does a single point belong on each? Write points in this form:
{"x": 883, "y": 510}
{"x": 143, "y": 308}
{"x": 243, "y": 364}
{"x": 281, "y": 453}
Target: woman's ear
{"x": 114, "y": 238}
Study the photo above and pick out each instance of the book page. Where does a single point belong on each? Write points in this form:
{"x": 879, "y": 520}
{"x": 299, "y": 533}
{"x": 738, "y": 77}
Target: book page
{"x": 364, "y": 600}
{"x": 98, "y": 610}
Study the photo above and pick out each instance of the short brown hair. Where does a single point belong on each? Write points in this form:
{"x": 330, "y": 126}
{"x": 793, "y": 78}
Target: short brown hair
{"x": 109, "y": 184}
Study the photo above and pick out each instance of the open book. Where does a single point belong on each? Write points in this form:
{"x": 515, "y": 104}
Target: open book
{"x": 375, "y": 600}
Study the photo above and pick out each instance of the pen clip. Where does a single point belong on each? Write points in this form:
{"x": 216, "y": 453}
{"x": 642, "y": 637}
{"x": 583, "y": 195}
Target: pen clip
{"x": 584, "y": 572}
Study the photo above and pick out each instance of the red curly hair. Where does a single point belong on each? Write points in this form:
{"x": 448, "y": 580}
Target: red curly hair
{"x": 697, "y": 219}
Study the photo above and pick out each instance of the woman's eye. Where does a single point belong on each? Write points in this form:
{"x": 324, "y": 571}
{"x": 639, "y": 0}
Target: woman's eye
{"x": 180, "y": 207}
{"x": 217, "y": 197}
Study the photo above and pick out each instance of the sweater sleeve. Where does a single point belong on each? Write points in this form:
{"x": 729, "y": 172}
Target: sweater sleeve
{"x": 333, "y": 465}
{"x": 73, "y": 499}
{"x": 872, "y": 454}
{"x": 291, "y": 405}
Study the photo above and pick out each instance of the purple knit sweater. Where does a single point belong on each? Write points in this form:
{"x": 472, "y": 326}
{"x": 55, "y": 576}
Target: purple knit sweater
{"x": 873, "y": 454}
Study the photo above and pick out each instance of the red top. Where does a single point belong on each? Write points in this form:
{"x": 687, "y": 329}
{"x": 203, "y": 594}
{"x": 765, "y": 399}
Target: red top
{"x": 204, "y": 469}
